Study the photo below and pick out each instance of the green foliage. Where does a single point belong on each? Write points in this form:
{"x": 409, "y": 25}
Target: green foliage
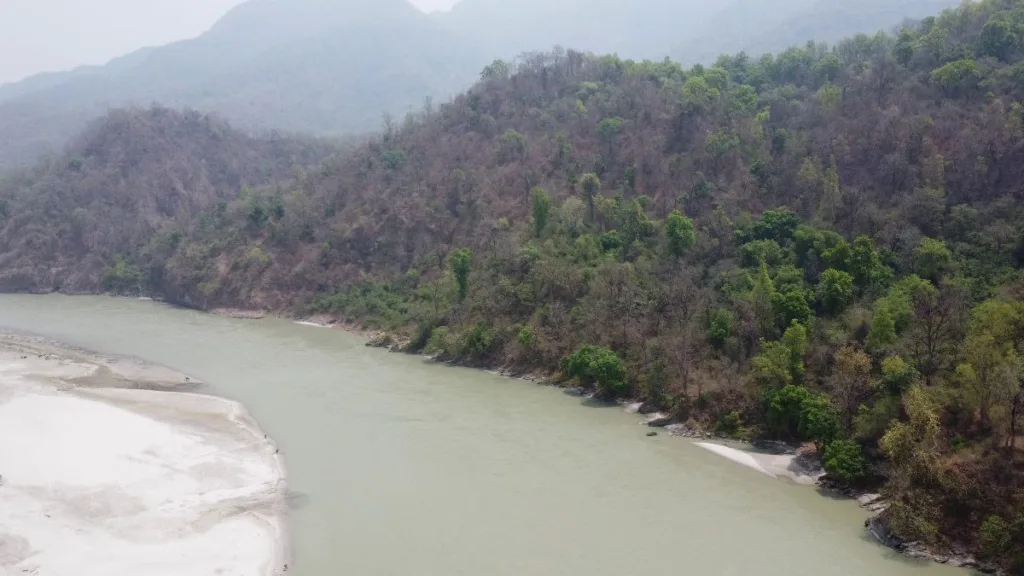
{"x": 393, "y": 159}
{"x": 995, "y": 536}
{"x": 679, "y": 234}
{"x": 609, "y": 128}
{"x": 720, "y": 328}
{"x": 598, "y": 365}
{"x": 793, "y": 306}
{"x": 796, "y": 413}
{"x": 762, "y": 251}
{"x": 778, "y": 225}
{"x": 835, "y": 290}
{"x": 882, "y": 335}
{"x": 611, "y": 241}
{"x": 845, "y": 461}
{"x": 957, "y": 77}
{"x": 122, "y": 278}
{"x": 932, "y": 260}
{"x": 461, "y": 262}
{"x": 999, "y": 37}
{"x": 478, "y": 342}
{"x": 525, "y": 337}
{"x": 541, "y": 204}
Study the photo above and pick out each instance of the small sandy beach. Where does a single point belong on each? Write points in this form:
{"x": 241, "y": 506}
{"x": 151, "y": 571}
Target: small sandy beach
{"x": 109, "y": 470}
{"x": 783, "y": 466}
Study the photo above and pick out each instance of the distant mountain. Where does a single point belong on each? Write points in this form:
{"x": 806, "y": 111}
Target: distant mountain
{"x": 758, "y": 27}
{"x": 313, "y": 66}
{"x": 631, "y": 28}
{"x": 693, "y": 31}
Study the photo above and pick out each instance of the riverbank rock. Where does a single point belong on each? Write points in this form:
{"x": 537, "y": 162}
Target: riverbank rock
{"x": 577, "y": 392}
{"x": 239, "y": 313}
{"x": 773, "y": 446}
{"x": 658, "y": 420}
{"x": 878, "y": 527}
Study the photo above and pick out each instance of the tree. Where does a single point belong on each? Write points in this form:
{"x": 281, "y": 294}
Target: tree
{"x": 957, "y": 77}
{"x": 850, "y": 382}
{"x": 589, "y": 185}
{"x": 882, "y": 335}
{"x": 679, "y": 234}
{"x": 720, "y": 328}
{"x": 897, "y": 376}
{"x": 598, "y": 365}
{"x": 461, "y": 262}
{"x": 762, "y": 298}
{"x": 797, "y": 413}
{"x": 932, "y": 259}
{"x": 845, "y": 461}
{"x": 608, "y": 129}
{"x": 835, "y": 290}
{"x": 999, "y": 37}
{"x": 541, "y": 204}
{"x": 831, "y": 196}
{"x": 913, "y": 451}
{"x": 936, "y": 324}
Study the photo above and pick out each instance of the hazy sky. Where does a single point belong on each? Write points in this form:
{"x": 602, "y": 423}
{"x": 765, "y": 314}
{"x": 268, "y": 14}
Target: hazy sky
{"x": 44, "y": 35}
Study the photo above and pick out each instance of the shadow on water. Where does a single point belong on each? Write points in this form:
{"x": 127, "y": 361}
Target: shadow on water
{"x": 595, "y": 403}
{"x": 832, "y": 495}
{"x": 297, "y": 500}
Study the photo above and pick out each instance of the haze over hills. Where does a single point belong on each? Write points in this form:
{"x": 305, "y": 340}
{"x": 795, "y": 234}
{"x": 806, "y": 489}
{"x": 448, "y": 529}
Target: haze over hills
{"x": 332, "y": 67}
{"x": 312, "y": 66}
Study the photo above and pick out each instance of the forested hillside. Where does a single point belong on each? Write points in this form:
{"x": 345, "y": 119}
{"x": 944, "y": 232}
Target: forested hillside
{"x": 824, "y": 245}
{"x": 67, "y": 220}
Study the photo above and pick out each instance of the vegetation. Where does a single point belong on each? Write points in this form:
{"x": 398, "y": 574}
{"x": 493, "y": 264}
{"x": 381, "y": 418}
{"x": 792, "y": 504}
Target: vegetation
{"x": 823, "y": 245}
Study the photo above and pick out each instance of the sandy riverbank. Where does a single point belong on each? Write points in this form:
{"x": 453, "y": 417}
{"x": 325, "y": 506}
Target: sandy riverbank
{"x": 784, "y": 466}
{"x": 108, "y": 472}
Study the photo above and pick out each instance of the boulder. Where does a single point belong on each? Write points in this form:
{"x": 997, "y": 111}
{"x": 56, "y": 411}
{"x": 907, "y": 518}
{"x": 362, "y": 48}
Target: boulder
{"x": 659, "y": 420}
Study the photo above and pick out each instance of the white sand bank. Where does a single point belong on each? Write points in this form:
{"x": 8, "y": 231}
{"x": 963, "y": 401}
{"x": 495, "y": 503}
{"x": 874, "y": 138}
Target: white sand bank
{"x": 783, "y": 466}
{"x": 115, "y": 481}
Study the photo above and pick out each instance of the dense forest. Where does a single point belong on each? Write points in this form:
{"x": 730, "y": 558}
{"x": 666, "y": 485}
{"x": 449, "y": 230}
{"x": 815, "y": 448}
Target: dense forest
{"x": 824, "y": 245}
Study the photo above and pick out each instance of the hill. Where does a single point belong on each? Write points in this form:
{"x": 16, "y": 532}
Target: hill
{"x": 825, "y": 246}
{"x": 129, "y": 177}
{"x": 310, "y": 66}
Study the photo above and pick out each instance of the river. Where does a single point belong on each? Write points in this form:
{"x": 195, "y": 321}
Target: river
{"x": 402, "y": 466}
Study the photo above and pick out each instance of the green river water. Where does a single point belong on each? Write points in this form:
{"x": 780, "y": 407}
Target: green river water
{"x": 405, "y": 467}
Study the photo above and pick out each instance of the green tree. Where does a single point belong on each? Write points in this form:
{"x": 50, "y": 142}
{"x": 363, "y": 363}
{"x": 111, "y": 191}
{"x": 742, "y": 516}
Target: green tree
{"x": 589, "y": 185}
{"x": 793, "y": 306}
{"x": 835, "y": 290}
{"x": 772, "y": 367}
{"x": 679, "y": 234}
{"x": 598, "y": 365}
{"x": 882, "y": 335}
{"x": 461, "y": 262}
{"x": 844, "y": 460}
{"x": 607, "y": 130}
{"x": 897, "y": 376}
{"x": 958, "y": 77}
{"x": 541, "y": 204}
{"x": 999, "y": 37}
{"x": 720, "y": 328}
{"x": 932, "y": 260}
